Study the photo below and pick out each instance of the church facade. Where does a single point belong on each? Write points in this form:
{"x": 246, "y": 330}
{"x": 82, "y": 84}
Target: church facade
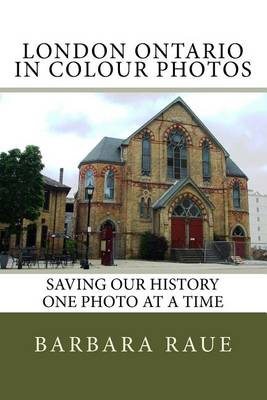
{"x": 171, "y": 177}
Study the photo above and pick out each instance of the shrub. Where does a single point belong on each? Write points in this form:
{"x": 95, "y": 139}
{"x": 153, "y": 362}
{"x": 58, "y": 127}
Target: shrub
{"x": 71, "y": 246}
{"x": 152, "y": 247}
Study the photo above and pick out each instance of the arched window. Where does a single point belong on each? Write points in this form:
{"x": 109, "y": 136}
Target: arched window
{"x": 206, "y": 161}
{"x": 177, "y": 156}
{"x": 142, "y": 208}
{"x": 146, "y": 155}
{"x": 238, "y": 231}
{"x": 109, "y": 185}
{"x": 89, "y": 180}
{"x": 145, "y": 208}
{"x": 236, "y": 195}
{"x": 187, "y": 208}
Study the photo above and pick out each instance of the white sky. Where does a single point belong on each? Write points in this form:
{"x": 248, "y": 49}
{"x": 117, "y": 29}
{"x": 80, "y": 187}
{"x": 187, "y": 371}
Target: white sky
{"x": 67, "y": 126}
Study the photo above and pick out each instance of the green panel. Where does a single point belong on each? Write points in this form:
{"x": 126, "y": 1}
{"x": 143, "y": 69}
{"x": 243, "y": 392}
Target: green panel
{"x": 240, "y": 374}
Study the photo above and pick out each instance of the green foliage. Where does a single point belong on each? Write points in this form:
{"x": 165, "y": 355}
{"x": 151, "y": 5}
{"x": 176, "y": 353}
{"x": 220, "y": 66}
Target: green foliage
{"x": 152, "y": 247}
{"x": 21, "y": 185}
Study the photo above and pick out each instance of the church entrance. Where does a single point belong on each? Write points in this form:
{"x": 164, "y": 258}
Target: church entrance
{"x": 187, "y": 226}
{"x": 239, "y": 241}
{"x": 107, "y": 243}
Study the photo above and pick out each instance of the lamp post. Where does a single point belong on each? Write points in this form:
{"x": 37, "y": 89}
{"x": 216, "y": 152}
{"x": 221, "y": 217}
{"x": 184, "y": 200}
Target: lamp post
{"x": 89, "y": 190}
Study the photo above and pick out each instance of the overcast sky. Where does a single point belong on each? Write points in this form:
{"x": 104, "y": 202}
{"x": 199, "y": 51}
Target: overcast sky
{"x": 67, "y": 126}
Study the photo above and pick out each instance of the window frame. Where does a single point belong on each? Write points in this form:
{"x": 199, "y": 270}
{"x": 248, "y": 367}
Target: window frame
{"x": 206, "y": 164}
{"x": 47, "y": 195}
{"x": 145, "y": 207}
{"x": 236, "y": 196}
{"x": 107, "y": 181}
{"x": 177, "y": 156}
{"x": 146, "y": 155}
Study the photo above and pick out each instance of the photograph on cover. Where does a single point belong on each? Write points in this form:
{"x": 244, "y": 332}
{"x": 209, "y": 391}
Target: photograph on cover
{"x": 133, "y": 182}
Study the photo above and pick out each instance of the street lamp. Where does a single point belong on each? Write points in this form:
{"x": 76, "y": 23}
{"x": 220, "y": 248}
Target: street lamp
{"x": 89, "y": 191}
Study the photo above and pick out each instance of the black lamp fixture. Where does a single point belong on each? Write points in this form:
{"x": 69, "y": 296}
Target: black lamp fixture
{"x": 89, "y": 191}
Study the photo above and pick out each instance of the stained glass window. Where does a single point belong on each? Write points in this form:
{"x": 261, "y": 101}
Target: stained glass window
{"x": 206, "y": 171}
{"x": 187, "y": 208}
{"x": 109, "y": 185}
{"x": 176, "y": 156}
{"x": 146, "y": 155}
{"x": 236, "y": 195}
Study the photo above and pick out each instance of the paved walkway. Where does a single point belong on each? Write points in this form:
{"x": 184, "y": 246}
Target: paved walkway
{"x": 146, "y": 267}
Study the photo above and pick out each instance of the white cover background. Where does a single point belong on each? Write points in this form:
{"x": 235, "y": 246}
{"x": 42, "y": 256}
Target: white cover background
{"x": 132, "y": 22}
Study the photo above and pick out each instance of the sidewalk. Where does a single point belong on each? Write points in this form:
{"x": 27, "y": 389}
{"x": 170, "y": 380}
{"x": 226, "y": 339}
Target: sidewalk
{"x": 145, "y": 267}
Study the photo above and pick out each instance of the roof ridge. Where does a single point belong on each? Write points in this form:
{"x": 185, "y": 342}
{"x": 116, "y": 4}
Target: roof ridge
{"x": 107, "y": 150}
{"x": 179, "y": 184}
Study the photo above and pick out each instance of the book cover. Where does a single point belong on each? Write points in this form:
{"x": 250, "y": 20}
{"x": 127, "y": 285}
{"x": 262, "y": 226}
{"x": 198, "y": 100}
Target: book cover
{"x": 133, "y": 200}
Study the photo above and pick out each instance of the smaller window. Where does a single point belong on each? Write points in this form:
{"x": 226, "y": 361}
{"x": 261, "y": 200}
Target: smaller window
{"x": 142, "y": 208}
{"x": 44, "y": 236}
{"x": 146, "y": 155}
{"x": 89, "y": 180}
{"x": 259, "y": 228}
{"x": 206, "y": 170}
{"x": 109, "y": 185}
{"x": 238, "y": 231}
{"x": 69, "y": 207}
{"x": 236, "y": 195}
{"x": 46, "y": 200}
{"x": 258, "y": 219}
{"x": 259, "y": 238}
{"x": 258, "y": 209}
{"x": 257, "y": 200}
{"x": 145, "y": 208}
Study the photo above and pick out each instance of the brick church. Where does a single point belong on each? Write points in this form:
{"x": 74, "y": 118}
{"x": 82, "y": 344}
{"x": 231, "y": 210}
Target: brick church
{"x": 171, "y": 177}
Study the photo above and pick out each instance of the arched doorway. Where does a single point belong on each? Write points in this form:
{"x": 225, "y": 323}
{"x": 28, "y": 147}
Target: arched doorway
{"x": 107, "y": 230}
{"x": 238, "y": 237}
{"x": 187, "y": 226}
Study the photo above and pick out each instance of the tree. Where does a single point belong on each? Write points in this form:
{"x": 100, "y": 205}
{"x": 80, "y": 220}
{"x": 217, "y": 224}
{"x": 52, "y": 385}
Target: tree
{"x": 21, "y": 186}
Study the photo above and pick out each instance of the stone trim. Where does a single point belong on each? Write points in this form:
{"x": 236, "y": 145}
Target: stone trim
{"x": 242, "y": 185}
{"x": 194, "y": 198}
{"x": 242, "y": 226}
{"x": 181, "y": 128}
{"x": 85, "y": 168}
{"x": 145, "y": 132}
{"x": 110, "y": 167}
{"x": 207, "y": 140}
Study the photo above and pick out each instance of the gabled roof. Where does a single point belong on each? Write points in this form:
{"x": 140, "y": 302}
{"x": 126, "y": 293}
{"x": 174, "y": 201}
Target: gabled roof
{"x": 55, "y": 184}
{"x": 107, "y": 150}
{"x": 233, "y": 170}
{"x": 180, "y": 101}
{"x": 175, "y": 188}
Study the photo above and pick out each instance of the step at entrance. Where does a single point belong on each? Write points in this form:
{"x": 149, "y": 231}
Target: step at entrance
{"x": 188, "y": 255}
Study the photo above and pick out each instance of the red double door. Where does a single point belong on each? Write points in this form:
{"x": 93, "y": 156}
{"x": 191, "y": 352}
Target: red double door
{"x": 187, "y": 233}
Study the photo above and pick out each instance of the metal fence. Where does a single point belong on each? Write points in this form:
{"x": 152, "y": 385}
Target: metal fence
{"x": 217, "y": 251}
{"x": 119, "y": 245}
